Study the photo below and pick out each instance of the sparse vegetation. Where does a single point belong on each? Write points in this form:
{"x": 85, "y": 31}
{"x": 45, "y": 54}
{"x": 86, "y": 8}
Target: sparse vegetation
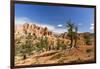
{"x": 45, "y": 48}
{"x": 89, "y": 50}
{"x": 24, "y": 48}
{"x": 87, "y": 39}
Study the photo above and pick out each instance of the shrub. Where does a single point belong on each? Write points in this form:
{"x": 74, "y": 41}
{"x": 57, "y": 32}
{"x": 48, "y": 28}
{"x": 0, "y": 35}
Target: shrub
{"x": 89, "y": 50}
{"x": 87, "y": 39}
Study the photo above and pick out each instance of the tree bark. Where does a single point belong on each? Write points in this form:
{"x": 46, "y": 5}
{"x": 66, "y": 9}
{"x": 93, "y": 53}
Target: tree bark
{"x": 24, "y": 57}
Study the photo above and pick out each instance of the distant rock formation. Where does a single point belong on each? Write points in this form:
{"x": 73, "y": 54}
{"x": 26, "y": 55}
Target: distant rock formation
{"x": 23, "y": 30}
{"x": 33, "y": 30}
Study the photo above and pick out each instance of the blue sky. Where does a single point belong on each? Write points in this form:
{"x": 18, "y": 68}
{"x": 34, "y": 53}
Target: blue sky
{"x": 55, "y": 17}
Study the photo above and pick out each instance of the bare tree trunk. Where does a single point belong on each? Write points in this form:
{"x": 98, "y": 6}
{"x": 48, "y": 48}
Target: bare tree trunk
{"x": 75, "y": 45}
{"x": 71, "y": 38}
{"x": 24, "y": 57}
{"x": 71, "y": 41}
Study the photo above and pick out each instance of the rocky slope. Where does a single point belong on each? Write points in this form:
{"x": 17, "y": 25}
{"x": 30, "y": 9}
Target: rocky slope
{"x": 57, "y": 46}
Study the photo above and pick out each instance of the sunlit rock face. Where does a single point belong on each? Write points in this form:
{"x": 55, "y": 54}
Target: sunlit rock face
{"x": 21, "y": 31}
{"x": 32, "y": 29}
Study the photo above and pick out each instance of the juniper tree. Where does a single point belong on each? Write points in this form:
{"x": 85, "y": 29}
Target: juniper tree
{"x": 76, "y": 29}
{"x": 70, "y": 26}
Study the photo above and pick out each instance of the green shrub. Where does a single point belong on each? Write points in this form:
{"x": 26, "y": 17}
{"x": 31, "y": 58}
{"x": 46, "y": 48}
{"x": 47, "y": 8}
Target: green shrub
{"x": 87, "y": 39}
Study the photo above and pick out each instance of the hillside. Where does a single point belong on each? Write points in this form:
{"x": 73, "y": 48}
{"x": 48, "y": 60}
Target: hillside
{"x": 38, "y": 45}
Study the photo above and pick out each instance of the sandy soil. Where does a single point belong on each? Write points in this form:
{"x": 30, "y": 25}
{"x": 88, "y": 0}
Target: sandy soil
{"x": 75, "y": 55}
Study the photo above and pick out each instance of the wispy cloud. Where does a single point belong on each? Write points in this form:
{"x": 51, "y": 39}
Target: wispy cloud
{"x": 92, "y": 27}
{"x": 80, "y": 24}
{"x": 52, "y": 28}
{"x": 59, "y": 25}
{"x": 92, "y": 24}
{"x": 22, "y": 20}
{"x": 59, "y": 30}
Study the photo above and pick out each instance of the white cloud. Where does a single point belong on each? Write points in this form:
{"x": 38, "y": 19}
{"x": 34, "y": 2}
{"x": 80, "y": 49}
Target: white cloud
{"x": 59, "y": 25}
{"x": 21, "y": 20}
{"x": 92, "y": 24}
{"x": 52, "y": 28}
{"x": 59, "y": 30}
{"x": 79, "y": 24}
{"x": 92, "y": 27}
